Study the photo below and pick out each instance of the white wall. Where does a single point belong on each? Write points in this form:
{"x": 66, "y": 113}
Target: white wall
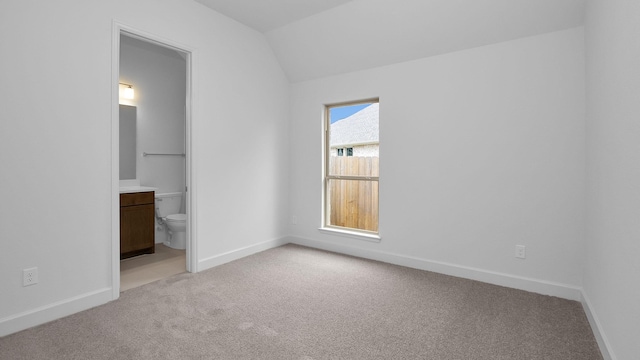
{"x": 496, "y": 144}
{"x": 55, "y": 144}
{"x": 612, "y": 266}
{"x": 158, "y": 76}
{"x": 500, "y": 130}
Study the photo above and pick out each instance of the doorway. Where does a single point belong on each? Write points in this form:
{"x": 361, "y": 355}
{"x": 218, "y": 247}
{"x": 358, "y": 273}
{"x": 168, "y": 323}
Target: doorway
{"x": 154, "y": 75}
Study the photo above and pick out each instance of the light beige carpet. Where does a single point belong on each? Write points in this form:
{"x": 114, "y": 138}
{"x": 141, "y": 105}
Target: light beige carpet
{"x": 298, "y": 303}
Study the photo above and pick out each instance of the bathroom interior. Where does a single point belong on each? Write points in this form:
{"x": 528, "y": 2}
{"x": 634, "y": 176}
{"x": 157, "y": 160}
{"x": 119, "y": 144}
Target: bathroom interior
{"x": 152, "y": 144}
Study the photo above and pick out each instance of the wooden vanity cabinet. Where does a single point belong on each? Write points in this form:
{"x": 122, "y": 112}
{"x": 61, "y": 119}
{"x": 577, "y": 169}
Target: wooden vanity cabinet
{"x": 137, "y": 222}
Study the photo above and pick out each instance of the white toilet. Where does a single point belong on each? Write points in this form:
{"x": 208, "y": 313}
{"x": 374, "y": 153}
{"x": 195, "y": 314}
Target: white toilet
{"x": 168, "y": 213}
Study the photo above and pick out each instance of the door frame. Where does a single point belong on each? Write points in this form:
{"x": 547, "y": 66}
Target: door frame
{"x": 190, "y": 206}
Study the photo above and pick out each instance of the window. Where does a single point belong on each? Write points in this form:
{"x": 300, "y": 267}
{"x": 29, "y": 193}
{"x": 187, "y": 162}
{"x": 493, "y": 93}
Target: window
{"x": 351, "y": 181}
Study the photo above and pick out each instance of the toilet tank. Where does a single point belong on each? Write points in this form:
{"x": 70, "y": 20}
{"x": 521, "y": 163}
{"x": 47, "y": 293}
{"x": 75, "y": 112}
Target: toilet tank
{"x": 168, "y": 204}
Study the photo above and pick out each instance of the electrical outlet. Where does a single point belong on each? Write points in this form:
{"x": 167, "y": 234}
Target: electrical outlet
{"x": 30, "y": 276}
{"x": 294, "y": 220}
{"x": 520, "y": 251}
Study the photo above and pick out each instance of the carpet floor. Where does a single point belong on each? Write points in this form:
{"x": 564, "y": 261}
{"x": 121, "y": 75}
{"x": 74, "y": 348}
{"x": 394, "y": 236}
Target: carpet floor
{"x": 294, "y": 302}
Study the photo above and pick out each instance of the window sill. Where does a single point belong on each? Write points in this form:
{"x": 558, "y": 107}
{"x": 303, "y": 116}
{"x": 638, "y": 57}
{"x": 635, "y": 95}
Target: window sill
{"x": 351, "y": 234}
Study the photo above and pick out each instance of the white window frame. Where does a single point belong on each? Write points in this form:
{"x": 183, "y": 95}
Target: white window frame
{"x": 333, "y": 229}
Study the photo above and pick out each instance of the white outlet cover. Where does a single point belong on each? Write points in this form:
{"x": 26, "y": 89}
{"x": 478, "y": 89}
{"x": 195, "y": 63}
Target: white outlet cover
{"x": 520, "y": 251}
{"x": 30, "y": 276}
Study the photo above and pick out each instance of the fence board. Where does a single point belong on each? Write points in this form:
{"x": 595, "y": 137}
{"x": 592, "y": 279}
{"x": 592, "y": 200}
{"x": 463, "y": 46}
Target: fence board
{"x": 354, "y": 203}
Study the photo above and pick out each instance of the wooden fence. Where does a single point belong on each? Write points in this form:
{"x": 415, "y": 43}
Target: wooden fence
{"x": 354, "y": 203}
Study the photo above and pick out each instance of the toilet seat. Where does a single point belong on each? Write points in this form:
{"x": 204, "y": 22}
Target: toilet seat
{"x": 177, "y": 217}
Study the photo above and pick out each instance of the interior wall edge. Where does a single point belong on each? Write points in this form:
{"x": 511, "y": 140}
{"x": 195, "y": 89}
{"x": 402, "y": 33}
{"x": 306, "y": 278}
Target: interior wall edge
{"x": 597, "y": 329}
{"x": 539, "y": 286}
{"x": 54, "y": 311}
{"x": 236, "y": 254}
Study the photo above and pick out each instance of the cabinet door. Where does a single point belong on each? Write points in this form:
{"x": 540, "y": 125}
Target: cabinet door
{"x": 137, "y": 234}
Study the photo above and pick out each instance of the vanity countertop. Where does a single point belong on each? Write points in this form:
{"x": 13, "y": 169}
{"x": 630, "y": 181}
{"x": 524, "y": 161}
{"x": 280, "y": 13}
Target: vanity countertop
{"x": 135, "y": 189}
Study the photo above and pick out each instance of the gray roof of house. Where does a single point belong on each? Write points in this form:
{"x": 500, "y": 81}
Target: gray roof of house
{"x": 359, "y": 128}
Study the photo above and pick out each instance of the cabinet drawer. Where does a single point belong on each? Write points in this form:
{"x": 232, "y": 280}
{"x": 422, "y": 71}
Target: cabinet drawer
{"x": 136, "y": 198}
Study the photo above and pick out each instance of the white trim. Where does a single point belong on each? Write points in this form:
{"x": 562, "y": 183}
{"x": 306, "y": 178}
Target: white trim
{"x": 191, "y": 246}
{"x": 326, "y": 154}
{"x": 240, "y": 253}
{"x": 115, "y": 158}
{"x": 544, "y": 287}
{"x": 50, "y": 312}
{"x": 596, "y": 328}
{"x": 87, "y": 301}
{"x": 165, "y": 195}
{"x": 351, "y": 233}
{"x": 355, "y": 144}
{"x": 190, "y": 193}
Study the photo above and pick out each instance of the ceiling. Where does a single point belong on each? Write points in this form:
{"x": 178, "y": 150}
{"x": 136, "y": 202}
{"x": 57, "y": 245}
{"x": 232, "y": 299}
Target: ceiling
{"x": 318, "y": 38}
{"x": 266, "y": 15}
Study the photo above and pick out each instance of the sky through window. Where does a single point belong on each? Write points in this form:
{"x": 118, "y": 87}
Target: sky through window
{"x": 339, "y": 113}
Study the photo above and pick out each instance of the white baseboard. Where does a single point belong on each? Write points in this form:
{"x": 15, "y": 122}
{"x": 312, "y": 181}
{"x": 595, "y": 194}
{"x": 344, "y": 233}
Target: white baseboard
{"x": 60, "y": 309}
{"x": 596, "y": 327}
{"x": 76, "y": 304}
{"x": 564, "y": 291}
{"x": 239, "y": 253}
{"x": 44, "y": 314}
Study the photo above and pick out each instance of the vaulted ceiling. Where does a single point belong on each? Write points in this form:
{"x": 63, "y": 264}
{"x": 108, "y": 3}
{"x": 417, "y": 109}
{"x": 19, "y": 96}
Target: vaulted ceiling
{"x": 266, "y": 15}
{"x": 317, "y": 38}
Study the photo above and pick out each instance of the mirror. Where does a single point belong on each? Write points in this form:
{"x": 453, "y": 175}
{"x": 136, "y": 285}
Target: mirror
{"x": 127, "y": 142}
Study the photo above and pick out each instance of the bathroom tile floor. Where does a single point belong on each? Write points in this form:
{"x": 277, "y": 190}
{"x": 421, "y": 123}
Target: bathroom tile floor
{"x": 143, "y": 269}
